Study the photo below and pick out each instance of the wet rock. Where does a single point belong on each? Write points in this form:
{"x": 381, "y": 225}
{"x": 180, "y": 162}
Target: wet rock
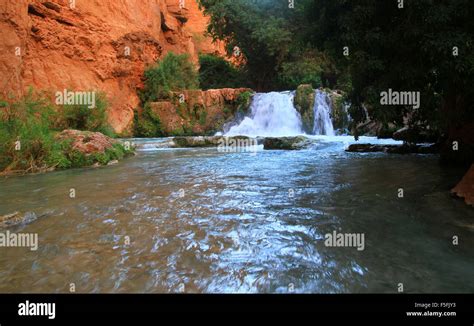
{"x": 465, "y": 188}
{"x": 210, "y": 141}
{"x": 16, "y": 218}
{"x": 339, "y": 113}
{"x": 393, "y": 149}
{"x": 191, "y": 142}
{"x": 286, "y": 143}
{"x": 304, "y": 103}
{"x": 87, "y": 142}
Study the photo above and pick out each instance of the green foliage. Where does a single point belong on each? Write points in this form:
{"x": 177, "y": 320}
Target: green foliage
{"x": 304, "y": 103}
{"x": 309, "y": 66}
{"x": 173, "y": 73}
{"x": 272, "y": 43}
{"x": 216, "y": 72}
{"x": 389, "y": 48}
{"x": 147, "y": 124}
{"x": 26, "y": 139}
{"x": 58, "y": 157}
{"x": 243, "y": 101}
{"x": 66, "y": 157}
{"x": 296, "y": 73}
{"x": 82, "y": 117}
{"x": 257, "y": 29}
{"x": 202, "y": 116}
{"x": 116, "y": 152}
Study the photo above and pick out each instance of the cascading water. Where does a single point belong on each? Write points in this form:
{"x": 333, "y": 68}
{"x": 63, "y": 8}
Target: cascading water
{"x": 274, "y": 115}
{"x": 322, "y": 114}
{"x": 271, "y": 115}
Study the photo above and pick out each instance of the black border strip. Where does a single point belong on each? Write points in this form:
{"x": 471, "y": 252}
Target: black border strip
{"x": 75, "y": 307}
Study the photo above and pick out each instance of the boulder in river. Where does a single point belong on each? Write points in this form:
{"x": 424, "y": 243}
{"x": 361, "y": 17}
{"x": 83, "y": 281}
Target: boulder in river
{"x": 393, "y": 149}
{"x": 87, "y": 142}
{"x": 465, "y": 188}
{"x": 286, "y": 143}
{"x": 198, "y": 141}
{"x": 207, "y": 141}
{"x": 16, "y": 218}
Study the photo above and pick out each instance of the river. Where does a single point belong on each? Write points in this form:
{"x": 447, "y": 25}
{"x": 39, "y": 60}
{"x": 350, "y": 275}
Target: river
{"x": 199, "y": 220}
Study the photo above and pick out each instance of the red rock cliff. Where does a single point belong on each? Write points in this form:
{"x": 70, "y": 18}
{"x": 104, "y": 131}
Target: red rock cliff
{"x": 99, "y": 45}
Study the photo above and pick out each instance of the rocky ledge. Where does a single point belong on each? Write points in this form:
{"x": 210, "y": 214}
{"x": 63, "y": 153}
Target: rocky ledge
{"x": 393, "y": 149}
{"x": 212, "y": 141}
{"x": 287, "y": 143}
{"x": 240, "y": 142}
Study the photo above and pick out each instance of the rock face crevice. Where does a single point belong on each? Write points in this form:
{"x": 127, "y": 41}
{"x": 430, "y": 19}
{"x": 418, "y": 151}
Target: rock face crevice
{"x": 95, "y": 45}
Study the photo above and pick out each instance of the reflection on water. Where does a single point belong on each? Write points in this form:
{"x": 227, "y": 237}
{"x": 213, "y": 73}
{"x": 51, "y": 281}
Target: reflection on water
{"x": 242, "y": 222}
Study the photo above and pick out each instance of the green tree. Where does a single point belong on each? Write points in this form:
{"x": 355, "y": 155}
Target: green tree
{"x": 216, "y": 72}
{"x": 254, "y": 30}
{"x": 410, "y": 48}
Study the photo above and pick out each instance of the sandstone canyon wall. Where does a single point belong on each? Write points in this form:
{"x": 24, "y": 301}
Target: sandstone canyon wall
{"x": 101, "y": 45}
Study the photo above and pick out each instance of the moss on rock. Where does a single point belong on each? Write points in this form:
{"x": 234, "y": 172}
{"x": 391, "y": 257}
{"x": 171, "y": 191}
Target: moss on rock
{"x": 304, "y": 103}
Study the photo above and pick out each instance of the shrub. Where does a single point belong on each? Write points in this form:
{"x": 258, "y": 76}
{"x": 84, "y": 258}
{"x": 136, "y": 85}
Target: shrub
{"x": 173, "y": 73}
{"x": 243, "y": 101}
{"x": 303, "y": 71}
{"x": 26, "y": 139}
{"x": 216, "y": 72}
{"x": 147, "y": 124}
{"x": 81, "y": 117}
{"x": 58, "y": 157}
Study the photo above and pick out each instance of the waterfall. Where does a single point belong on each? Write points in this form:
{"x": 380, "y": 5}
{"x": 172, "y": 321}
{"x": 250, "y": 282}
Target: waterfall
{"x": 322, "y": 114}
{"x": 271, "y": 115}
{"x": 274, "y": 115}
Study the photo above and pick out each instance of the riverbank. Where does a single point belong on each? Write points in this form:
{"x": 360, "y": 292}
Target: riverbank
{"x": 76, "y": 149}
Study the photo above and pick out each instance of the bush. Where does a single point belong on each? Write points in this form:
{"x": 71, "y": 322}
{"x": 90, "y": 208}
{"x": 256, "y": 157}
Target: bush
{"x": 173, "y": 73}
{"x": 147, "y": 124}
{"x": 26, "y": 139}
{"x": 243, "y": 102}
{"x": 27, "y": 136}
{"x": 58, "y": 157}
{"x": 81, "y": 117}
{"x": 66, "y": 157}
{"x": 302, "y": 71}
{"x": 216, "y": 72}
